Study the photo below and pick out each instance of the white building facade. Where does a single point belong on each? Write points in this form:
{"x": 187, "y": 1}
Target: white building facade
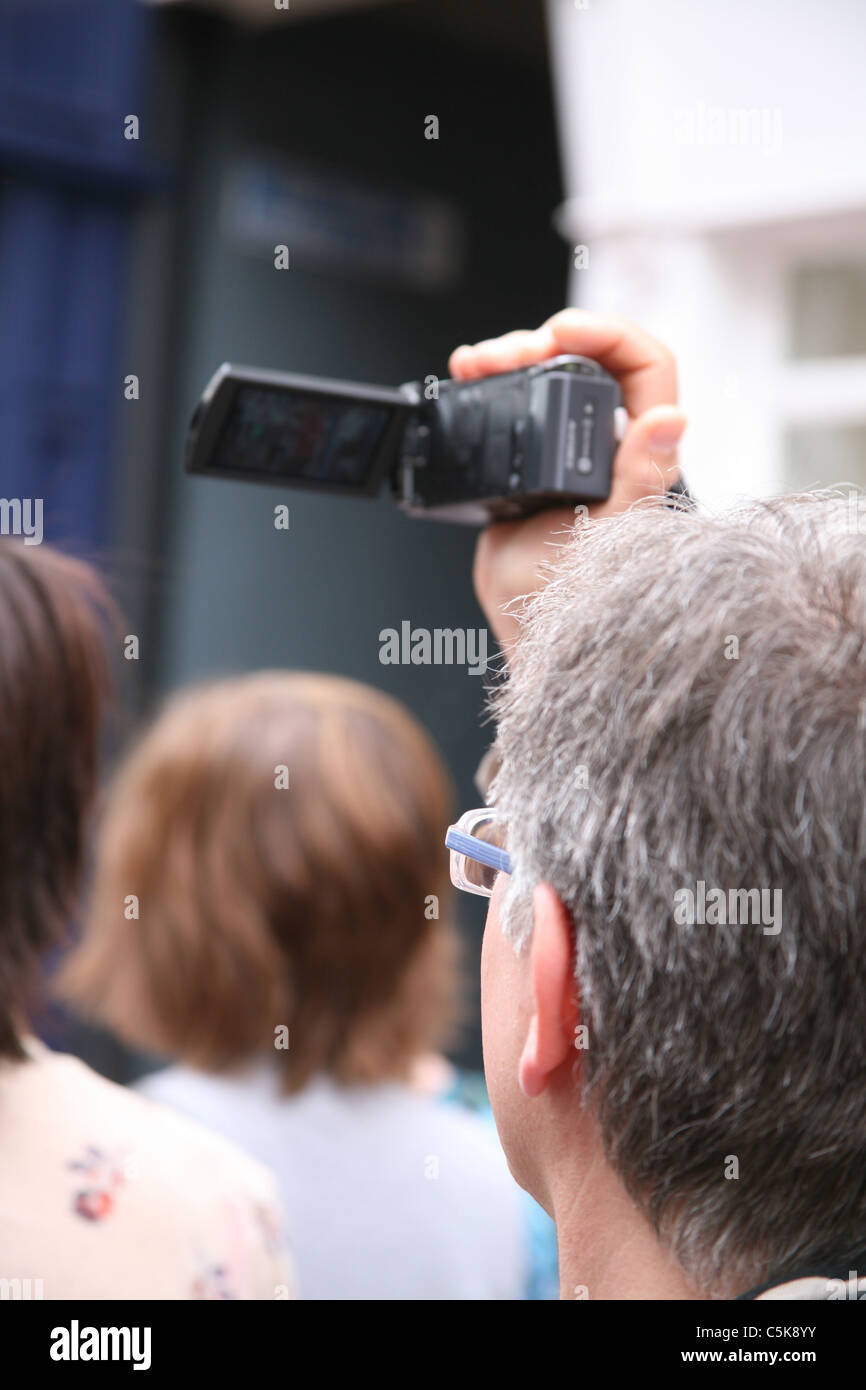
{"x": 714, "y": 158}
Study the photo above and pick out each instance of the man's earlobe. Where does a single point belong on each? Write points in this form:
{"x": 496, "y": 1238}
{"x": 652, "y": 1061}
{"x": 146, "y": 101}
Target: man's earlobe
{"x": 554, "y": 1008}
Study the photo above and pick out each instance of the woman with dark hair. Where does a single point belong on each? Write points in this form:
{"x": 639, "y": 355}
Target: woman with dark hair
{"x": 102, "y": 1194}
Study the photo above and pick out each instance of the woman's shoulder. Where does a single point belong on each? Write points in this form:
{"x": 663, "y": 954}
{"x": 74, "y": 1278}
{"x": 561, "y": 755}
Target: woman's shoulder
{"x": 174, "y": 1203}
{"x": 72, "y": 1092}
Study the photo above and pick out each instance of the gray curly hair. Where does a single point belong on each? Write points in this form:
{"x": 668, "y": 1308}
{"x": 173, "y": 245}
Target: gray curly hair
{"x": 686, "y": 705}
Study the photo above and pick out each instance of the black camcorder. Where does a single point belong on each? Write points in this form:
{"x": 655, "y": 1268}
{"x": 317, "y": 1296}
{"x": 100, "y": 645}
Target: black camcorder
{"x": 466, "y": 451}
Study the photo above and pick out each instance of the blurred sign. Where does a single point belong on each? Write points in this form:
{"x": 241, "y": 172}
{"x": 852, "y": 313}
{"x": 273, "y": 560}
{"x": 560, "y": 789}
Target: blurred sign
{"x": 333, "y": 221}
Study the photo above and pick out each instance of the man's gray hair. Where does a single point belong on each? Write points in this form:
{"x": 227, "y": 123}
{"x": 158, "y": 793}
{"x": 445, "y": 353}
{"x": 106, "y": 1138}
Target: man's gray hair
{"x": 687, "y": 707}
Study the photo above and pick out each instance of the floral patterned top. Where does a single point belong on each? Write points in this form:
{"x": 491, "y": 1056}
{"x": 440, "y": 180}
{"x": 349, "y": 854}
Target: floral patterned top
{"x": 106, "y": 1195}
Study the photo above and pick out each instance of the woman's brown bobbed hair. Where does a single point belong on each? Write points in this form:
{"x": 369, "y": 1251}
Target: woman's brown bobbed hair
{"x": 272, "y": 858}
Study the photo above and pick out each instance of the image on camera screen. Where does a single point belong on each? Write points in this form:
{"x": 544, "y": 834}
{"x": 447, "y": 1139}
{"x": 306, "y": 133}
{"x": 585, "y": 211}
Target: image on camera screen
{"x": 302, "y": 435}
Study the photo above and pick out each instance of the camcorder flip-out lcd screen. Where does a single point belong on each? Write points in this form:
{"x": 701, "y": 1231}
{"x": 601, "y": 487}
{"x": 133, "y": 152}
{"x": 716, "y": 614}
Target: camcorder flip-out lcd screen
{"x": 303, "y": 437}
{"x": 302, "y": 430}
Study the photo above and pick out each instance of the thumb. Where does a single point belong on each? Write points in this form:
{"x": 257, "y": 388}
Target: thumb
{"x": 646, "y": 462}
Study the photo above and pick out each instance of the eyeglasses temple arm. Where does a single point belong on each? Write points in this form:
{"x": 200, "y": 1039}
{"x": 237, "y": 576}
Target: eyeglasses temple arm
{"x": 479, "y": 850}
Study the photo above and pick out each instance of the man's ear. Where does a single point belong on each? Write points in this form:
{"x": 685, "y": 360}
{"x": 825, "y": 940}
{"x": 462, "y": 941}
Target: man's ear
{"x": 554, "y": 996}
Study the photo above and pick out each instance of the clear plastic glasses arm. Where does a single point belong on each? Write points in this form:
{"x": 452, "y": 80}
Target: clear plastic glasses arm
{"x": 477, "y": 855}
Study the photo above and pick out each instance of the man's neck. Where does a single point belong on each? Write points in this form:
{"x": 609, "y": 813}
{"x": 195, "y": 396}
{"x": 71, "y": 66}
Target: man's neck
{"x": 607, "y": 1249}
